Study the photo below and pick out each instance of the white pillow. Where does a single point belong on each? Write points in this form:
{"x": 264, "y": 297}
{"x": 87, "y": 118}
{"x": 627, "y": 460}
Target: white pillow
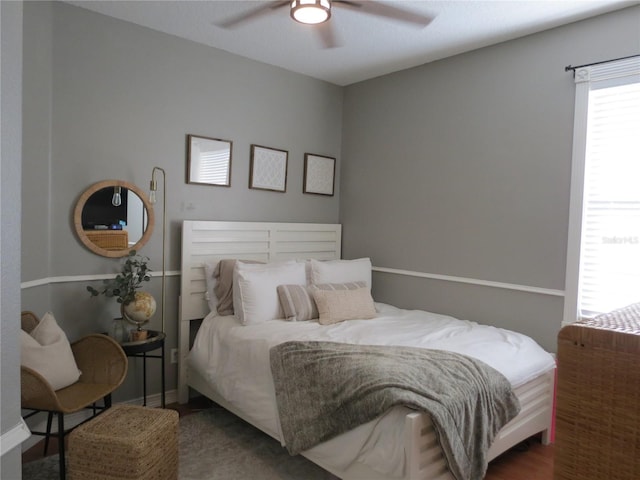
{"x": 210, "y": 283}
{"x": 47, "y": 351}
{"x": 255, "y": 295}
{"x": 341, "y": 271}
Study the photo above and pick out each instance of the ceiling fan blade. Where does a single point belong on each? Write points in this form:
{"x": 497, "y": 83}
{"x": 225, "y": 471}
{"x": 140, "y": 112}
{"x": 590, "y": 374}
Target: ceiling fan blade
{"x": 251, "y": 14}
{"x": 380, "y": 9}
{"x": 327, "y": 35}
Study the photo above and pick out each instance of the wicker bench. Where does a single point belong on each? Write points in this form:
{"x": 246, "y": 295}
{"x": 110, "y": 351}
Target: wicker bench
{"x": 124, "y": 443}
{"x": 598, "y": 398}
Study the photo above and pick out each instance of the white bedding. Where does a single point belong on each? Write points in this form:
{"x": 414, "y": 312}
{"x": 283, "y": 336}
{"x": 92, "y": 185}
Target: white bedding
{"x": 235, "y": 358}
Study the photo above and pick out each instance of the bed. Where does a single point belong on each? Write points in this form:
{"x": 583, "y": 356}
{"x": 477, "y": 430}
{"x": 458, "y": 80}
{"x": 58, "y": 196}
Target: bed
{"x": 402, "y": 443}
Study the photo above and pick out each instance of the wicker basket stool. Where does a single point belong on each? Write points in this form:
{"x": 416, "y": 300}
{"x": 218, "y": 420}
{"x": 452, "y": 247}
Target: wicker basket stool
{"x": 126, "y": 442}
{"x": 598, "y": 398}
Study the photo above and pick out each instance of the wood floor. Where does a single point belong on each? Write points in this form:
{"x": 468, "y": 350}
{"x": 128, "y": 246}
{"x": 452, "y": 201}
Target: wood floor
{"x": 528, "y": 461}
{"x": 533, "y": 461}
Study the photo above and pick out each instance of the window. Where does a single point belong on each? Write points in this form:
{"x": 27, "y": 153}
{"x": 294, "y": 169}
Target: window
{"x": 603, "y": 256}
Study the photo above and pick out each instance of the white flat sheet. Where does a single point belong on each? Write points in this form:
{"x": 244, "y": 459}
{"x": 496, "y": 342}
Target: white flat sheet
{"x": 235, "y": 358}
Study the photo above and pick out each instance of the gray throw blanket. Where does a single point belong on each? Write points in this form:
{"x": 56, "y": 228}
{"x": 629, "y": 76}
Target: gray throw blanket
{"x": 324, "y": 389}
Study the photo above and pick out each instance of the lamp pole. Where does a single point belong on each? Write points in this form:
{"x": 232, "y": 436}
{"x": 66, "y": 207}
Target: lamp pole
{"x": 153, "y": 187}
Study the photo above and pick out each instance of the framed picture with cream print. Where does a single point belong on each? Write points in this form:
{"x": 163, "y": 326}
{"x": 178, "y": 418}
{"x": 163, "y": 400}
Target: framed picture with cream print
{"x": 268, "y": 169}
{"x": 319, "y": 174}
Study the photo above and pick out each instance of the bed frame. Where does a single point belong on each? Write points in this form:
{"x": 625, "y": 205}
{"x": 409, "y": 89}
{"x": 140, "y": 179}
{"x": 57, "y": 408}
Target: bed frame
{"x": 206, "y": 240}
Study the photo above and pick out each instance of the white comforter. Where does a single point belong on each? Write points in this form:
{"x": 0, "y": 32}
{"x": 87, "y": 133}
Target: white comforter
{"x": 235, "y": 358}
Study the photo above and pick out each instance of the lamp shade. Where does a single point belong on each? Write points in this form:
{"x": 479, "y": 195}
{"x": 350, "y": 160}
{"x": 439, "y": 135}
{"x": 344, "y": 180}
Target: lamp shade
{"x": 311, "y": 11}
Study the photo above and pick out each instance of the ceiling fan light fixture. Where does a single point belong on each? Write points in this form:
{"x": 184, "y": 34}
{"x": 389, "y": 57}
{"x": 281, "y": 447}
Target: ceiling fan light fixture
{"x": 311, "y": 12}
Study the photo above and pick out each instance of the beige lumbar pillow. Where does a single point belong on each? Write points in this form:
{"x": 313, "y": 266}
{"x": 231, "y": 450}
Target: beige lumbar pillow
{"x": 338, "y": 305}
{"x": 47, "y": 351}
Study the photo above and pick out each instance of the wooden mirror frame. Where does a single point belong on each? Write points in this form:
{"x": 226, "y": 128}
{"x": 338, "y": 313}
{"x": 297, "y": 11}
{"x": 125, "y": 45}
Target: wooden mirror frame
{"x": 77, "y": 218}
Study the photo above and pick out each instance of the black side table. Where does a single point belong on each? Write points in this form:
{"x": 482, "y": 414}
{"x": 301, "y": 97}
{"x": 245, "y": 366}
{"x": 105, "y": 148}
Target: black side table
{"x": 139, "y": 349}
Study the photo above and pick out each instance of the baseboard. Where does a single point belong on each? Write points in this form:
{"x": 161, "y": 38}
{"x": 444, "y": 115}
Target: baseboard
{"x": 39, "y": 422}
{"x": 13, "y": 437}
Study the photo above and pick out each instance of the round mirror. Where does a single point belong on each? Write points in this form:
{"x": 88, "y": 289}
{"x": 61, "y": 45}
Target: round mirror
{"x": 113, "y": 217}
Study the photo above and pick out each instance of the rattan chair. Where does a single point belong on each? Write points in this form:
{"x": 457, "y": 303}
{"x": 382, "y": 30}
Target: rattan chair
{"x": 103, "y": 364}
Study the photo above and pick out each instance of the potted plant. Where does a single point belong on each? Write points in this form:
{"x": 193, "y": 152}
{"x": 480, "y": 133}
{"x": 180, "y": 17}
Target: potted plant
{"x": 136, "y": 306}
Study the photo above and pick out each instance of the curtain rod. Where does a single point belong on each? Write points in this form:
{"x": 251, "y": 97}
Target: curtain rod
{"x": 569, "y": 67}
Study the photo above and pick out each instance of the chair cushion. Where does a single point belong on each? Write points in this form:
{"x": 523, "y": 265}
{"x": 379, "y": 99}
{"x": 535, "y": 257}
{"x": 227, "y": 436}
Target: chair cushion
{"x": 47, "y": 351}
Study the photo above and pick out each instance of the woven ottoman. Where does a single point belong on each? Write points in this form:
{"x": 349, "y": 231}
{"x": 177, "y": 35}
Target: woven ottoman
{"x": 125, "y": 442}
{"x": 598, "y": 399}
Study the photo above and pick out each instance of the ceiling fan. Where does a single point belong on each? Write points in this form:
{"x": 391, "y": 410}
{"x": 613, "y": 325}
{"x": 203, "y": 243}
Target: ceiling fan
{"x": 318, "y": 13}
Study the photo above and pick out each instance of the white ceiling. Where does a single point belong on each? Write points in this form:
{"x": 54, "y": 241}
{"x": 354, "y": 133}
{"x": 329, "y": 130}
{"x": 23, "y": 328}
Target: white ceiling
{"x": 369, "y": 46}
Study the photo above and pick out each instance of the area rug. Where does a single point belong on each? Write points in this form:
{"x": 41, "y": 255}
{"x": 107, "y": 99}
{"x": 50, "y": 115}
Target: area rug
{"x": 216, "y": 445}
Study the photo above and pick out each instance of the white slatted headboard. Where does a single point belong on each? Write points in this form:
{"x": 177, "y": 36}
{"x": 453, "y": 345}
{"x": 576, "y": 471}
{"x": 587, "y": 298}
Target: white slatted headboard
{"x": 204, "y": 241}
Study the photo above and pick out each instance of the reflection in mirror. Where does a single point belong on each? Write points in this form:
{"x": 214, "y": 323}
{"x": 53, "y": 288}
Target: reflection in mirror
{"x": 113, "y": 217}
{"x": 208, "y": 161}
{"x": 115, "y": 209}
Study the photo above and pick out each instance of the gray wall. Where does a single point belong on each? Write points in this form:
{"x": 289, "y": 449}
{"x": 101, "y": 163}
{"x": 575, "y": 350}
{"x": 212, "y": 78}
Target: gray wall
{"x": 108, "y": 99}
{"x": 10, "y": 152}
{"x": 36, "y": 149}
{"x": 461, "y": 167}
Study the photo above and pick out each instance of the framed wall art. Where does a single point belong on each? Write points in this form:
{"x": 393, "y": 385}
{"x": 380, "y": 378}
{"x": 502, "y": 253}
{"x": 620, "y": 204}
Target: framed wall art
{"x": 268, "y": 169}
{"x": 208, "y": 161}
{"x": 319, "y": 174}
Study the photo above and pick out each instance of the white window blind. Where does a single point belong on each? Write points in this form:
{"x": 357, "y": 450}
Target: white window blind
{"x": 603, "y": 261}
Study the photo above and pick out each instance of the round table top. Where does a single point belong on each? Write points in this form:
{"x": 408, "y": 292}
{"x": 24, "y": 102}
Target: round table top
{"x": 153, "y": 341}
